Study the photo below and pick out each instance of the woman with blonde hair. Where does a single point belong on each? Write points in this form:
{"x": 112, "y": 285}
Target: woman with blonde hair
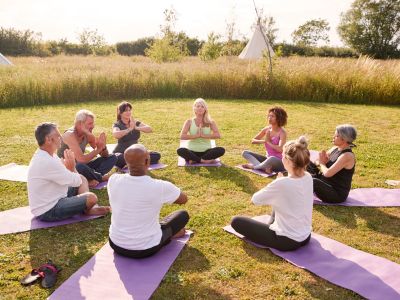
{"x": 199, "y": 131}
{"x": 291, "y": 199}
{"x": 127, "y": 131}
{"x": 273, "y": 137}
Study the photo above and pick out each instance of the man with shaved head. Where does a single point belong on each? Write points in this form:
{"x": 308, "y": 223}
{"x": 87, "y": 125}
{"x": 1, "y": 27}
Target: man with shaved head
{"x": 136, "y": 200}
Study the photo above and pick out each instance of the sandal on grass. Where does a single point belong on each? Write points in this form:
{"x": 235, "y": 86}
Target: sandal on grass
{"x": 32, "y": 277}
{"x": 47, "y": 272}
{"x": 50, "y": 274}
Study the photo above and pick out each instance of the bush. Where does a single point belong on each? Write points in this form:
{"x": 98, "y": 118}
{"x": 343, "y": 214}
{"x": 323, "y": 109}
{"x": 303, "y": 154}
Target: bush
{"x": 138, "y": 47}
{"x": 163, "y": 50}
{"x": 211, "y": 49}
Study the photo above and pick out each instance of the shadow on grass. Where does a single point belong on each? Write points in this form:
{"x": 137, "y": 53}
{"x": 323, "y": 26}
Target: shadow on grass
{"x": 375, "y": 219}
{"x": 226, "y": 173}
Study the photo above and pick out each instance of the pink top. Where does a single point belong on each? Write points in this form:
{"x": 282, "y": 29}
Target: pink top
{"x": 275, "y": 141}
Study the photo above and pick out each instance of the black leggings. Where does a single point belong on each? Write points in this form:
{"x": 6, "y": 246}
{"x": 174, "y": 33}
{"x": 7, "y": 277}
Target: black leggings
{"x": 154, "y": 158}
{"x": 170, "y": 226}
{"x": 326, "y": 193}
{"x": 211, "y": 153}
{"x": 260, "y": 233}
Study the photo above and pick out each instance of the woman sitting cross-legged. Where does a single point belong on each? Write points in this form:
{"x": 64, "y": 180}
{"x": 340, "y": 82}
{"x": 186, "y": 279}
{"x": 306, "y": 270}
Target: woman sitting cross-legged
{"x": 199, "y": 131}
{"x": 273, "y": 137}
{"x": 127, "y": 131}
{"x": 291, "y": 199}
{"x": 332, "y": 180}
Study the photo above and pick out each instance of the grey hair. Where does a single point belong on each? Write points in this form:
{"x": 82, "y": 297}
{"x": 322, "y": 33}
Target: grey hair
{"x": 82, "y": 115}
{"x": 347, "y": 132}
{"x": 43, "y": 130}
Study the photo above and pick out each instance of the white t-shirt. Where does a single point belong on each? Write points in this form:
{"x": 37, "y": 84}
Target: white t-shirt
{"x": 136, "y": 202}
{"x": 48, "y": 181}
{"x": 292, "y": 201}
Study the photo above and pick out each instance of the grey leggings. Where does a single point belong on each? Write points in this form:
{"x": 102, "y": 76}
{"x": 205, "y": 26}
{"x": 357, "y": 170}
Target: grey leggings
{"x": 262, "y": 162}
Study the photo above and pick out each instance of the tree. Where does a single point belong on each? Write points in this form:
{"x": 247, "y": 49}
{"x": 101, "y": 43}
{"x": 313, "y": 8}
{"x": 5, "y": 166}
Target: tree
{"x": 92, "y": 42}
{"x": 268, "y": 25}
{"x": 212, "y": 48}
{"x": 372, "y": 27}
{"x": 171, "y": 46}
{"x": 311, "y": 32}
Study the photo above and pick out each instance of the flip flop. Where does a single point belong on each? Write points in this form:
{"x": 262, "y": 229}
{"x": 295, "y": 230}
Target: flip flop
{"x": 32, "y": 277}
{"x": 50, "y": 274}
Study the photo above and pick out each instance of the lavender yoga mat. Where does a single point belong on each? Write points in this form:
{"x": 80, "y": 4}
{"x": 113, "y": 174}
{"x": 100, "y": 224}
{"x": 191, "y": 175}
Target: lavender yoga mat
{"x": 372, "y": 197}
{"x": 14, "y": 172}
{"x": 182, "y": 162}
{"x": 370, "y": 276}
{"x": 21, "y": 219}
{"x": 110, "y": 276}
{"x": 257, "y": 172}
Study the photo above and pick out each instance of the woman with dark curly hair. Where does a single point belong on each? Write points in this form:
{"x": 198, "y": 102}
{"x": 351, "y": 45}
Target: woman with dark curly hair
{"x": 273, "y": 136}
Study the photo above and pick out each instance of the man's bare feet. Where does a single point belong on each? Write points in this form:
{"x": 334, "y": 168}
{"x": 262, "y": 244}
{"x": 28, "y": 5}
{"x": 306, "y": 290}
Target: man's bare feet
{"x": 208, "y": 161}
{"x": 99, "y": 210}
{"x": 248, "y": 166}
{"x": 92, "y": 183}
{"x": 179, "y": 234}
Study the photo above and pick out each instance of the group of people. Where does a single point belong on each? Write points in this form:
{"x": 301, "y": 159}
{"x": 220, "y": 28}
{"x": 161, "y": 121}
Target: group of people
{"x": 58, "y": 185}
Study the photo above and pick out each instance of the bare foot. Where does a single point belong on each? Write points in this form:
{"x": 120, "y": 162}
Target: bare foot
{"x": 179, "y": 234}
{"x": 99, "y": 210}
{"x": 268, "y": 170}
{"x": 208, "y": 161}
{"x": 248, "y": 166}
{"x": 93, "y": 183}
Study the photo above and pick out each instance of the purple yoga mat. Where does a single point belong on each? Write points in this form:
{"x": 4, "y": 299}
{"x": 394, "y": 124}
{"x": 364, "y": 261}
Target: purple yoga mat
{"x": 372, "y": 197}
{"x": 110, "y": 276}
{"x": 257, "y": 172}
{"x": 151, "y": 167}
{"x": 370, "y": 276}
{"x": 21, "y": 219}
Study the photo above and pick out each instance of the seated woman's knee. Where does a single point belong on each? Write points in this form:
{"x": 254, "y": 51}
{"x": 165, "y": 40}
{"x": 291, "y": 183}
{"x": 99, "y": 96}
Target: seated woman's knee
{"x": 91, "y": 199}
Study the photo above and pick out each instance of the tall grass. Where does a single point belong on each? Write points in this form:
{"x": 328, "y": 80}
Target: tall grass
{"x": 61, "y": 79}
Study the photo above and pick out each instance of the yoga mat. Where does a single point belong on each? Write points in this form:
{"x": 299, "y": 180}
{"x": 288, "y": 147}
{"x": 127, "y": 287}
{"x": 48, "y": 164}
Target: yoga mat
{"x": 370, "y": 276}
{"x": 101, "y": 185}
{"x": 371, "y": 197}
{"x": 21, "y": 219}
{"x": 392, "y": 182}
{"x": 110, "y": 276}
{"x": 257, "y": 172}
{"x": 182, "y": 161}
{"x": 151, "y": 167}
{"x": 314, "y": 155}
{"x": 14, "y": 172}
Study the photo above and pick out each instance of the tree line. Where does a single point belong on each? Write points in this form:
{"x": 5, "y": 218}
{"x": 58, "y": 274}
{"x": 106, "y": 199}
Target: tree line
{"x": 369, "y": 27}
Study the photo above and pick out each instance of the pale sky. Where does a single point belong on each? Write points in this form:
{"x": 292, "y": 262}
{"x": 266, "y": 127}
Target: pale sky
{"x": 128, "y": 20}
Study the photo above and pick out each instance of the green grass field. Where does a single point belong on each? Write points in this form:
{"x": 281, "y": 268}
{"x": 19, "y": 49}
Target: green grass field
{"x": 214, "y": 264}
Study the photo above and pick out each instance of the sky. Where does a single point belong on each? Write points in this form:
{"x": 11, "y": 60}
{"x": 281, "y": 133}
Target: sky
{"x": 128, "y": 20}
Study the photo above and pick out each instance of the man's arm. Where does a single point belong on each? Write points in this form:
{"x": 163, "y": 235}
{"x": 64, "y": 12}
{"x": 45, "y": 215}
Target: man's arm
{"x": 72, "y": 143}
{"x": 182, "y": 199}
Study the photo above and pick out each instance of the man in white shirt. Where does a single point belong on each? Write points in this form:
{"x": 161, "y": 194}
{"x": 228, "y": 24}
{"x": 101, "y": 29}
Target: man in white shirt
{"x": 55, "y": 190}
{"x": 136, "y": 200}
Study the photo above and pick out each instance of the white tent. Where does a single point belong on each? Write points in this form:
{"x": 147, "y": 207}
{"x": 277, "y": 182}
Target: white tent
{"x": 4, "y": 60}
{"x": 256, "y": 46}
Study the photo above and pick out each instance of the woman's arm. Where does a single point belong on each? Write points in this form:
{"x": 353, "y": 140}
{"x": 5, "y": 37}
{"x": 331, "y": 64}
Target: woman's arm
{"x": 214, "y": 132}
{"x": 185, "y": 131}
{"x": 346, "y": 160}
{"x": 118, "y": 133}
{"x": 282, "y": 141}
{"x": 144, "y": 128}
{"x": 259, "y": 138}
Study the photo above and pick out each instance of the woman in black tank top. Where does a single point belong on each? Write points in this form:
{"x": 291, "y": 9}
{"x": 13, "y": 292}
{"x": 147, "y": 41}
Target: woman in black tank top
{"x": 333, "y": 170}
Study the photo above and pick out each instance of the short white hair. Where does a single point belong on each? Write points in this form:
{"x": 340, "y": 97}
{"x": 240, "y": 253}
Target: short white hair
{"x": 82, "y": 115}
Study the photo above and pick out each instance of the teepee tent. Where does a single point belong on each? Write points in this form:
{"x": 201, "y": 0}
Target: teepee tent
{"x": 257, "y": 45}
{"x": 4, "y": 60}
